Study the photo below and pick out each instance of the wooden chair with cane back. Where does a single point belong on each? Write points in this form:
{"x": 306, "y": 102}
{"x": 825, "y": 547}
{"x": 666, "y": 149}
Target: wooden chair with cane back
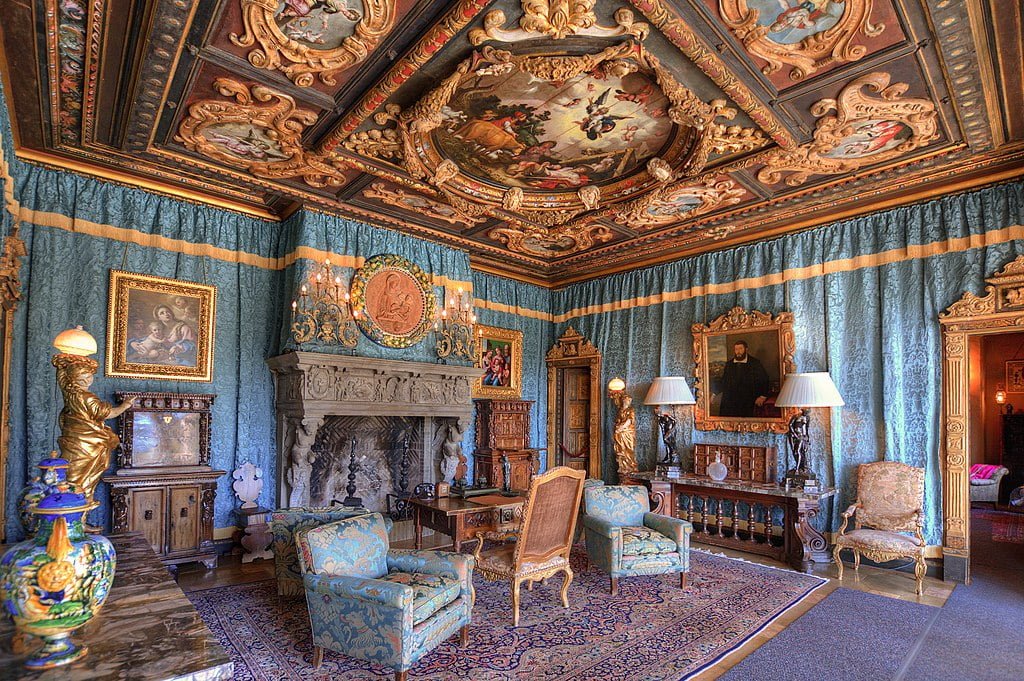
{"x": 542, "y": 542}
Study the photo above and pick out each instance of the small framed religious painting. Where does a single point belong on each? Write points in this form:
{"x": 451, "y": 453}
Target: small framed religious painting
{"x": 160, "y": 328}
{"x": 500, "y": 358}
{"x": 164, "y": 432}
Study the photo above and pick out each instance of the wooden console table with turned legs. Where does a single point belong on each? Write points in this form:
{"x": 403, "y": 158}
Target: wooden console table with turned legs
{"x": 739, "y": 515}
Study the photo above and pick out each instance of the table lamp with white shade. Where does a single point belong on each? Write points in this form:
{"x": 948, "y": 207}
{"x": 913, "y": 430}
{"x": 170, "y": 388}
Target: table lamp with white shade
{"x": 805, "y": 391}
{"x": 667, "y": 391}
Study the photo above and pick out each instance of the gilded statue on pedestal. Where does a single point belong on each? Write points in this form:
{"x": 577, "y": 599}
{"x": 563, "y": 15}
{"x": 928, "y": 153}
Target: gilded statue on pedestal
{"x": 85, "y": 442}
{"x": 624, "y": 435}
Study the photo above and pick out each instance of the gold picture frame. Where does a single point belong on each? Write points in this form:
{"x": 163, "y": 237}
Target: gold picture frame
{"x": 722, "y": 408}
{"x": 160, "y": 328}
{"x": 1015, "y": 375}
{"x": 499, "y": 378}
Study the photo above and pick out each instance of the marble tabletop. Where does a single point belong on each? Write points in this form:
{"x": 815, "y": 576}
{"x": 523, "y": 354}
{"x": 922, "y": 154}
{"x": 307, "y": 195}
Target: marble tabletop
{"x": 146, "y": 631}
{"x": 736, "y": 485}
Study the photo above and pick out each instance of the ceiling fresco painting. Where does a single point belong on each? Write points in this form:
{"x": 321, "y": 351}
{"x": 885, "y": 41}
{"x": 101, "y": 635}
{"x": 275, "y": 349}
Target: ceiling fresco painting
{"x": 555, "y": 141}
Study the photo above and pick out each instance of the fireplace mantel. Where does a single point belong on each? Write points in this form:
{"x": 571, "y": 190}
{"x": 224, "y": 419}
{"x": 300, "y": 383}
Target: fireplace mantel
{"x": 311, "y": 386}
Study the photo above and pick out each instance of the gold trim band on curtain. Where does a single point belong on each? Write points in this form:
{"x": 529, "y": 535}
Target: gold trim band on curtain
{"x": 895, "y": 255}
{"x": 124, "y": 234}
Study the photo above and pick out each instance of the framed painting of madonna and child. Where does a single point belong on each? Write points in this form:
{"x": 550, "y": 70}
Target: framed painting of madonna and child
{"x": 160, "y": 328}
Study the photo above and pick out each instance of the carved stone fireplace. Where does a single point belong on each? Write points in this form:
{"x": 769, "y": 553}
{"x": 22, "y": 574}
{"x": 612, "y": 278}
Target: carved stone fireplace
{"x": 324, "y": 400}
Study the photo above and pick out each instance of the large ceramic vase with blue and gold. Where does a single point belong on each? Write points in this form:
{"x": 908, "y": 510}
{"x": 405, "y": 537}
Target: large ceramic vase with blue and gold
{"x": 57, "y": 581}
{"x": 53, "y": 477}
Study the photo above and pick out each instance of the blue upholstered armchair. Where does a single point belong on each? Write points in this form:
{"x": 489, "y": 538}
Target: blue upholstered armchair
{"x": 385, "y": 606}
{"x": 284, "y": 524}
{"x": 624, "y": 538}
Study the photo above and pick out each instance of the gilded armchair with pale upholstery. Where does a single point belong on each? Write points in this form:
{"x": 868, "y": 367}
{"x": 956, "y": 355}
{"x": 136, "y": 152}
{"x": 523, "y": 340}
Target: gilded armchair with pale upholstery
{"x": 285, "y": 523}
{"x": 625, "y": 539}
{"x": 889, "y": 503}
{"x": 543, "y": 541}
{"x": 378, "y": 604}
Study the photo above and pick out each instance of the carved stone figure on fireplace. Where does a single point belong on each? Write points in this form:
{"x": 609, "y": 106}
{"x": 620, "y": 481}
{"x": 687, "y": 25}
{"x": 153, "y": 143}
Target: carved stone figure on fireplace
{"x": 301, "y": 461}
{"x": 451, "y": 454}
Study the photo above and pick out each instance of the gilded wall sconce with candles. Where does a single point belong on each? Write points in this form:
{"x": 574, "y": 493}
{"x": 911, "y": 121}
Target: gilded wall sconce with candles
{"x": 455, "y": 327}
{"x": 323, "y": 311}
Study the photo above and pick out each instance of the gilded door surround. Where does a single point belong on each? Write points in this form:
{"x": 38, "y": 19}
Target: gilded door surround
{"x": 573, "y": 350}
{"x": 999, "y": 310}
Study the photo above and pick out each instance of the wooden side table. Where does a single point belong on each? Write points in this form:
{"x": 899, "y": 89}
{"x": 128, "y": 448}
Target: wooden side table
{"x": 800, "y": 545}
{"x": 461, "y": 519}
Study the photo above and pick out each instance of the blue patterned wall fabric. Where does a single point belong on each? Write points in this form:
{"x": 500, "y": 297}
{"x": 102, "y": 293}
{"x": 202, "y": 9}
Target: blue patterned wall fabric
{"x": 881, "y": 327}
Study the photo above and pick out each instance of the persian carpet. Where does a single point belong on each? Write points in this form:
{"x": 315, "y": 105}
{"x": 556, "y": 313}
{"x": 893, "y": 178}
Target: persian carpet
{"x": 651, "y": 630}
{"x": 1006, "y": 527}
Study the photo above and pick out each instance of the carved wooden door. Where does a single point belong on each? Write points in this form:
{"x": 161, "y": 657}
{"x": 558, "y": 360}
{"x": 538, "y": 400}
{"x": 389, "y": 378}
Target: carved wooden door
{"x": 575, "y": 417}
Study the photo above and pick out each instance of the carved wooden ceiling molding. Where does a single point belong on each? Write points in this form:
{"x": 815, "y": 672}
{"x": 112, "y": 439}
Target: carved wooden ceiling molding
{"x": 264, "y": 139}
{"x": 721, "y": 153}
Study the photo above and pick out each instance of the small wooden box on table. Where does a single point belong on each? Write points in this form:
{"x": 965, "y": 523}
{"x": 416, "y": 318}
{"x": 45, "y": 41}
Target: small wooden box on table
{"x": 716, "y": 510}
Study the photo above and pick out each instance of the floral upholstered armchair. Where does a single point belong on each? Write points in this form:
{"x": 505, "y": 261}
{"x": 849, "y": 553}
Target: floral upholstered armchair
{"x": 624, "y": 538}
{"x": 284, "y": 524}
{"x": 889, "y": 503}
{"x": 378, "y": 604}
{"x": 985, "y": 479}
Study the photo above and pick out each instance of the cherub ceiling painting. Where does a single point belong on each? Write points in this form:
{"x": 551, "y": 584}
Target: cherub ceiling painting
{"x": 554, "y": 134}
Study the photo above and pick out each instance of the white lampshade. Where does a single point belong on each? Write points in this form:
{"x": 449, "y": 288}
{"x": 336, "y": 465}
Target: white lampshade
{"x": 76, "y": 341}
{"x": 616, "y": 385}
{"x": 669, "y": 390}
{"x": 809, "y": 390}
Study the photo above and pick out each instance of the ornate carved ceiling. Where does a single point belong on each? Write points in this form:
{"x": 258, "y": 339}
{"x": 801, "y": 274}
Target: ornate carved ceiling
{"x": 555, "y": 140}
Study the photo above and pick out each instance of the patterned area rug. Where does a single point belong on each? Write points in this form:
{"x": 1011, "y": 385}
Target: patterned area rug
{"x": 651, "y": 630}
{"x": 1006, "y": 527}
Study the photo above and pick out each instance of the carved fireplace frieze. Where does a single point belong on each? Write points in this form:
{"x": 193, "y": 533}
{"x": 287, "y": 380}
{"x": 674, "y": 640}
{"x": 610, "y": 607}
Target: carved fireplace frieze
{"x": 314, "y": 387}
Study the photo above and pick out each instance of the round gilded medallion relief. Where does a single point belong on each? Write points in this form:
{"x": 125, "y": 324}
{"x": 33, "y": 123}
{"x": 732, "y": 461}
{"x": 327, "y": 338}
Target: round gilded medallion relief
{"x": 393, "y": 300}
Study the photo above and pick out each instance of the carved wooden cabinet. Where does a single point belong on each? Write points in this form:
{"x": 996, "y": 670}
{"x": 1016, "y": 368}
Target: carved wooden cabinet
{"x": 752, "y": 464}
{"x": 503, "y": 427}
{"x": 164, "y": 486}
{"x": 173, "y": 510}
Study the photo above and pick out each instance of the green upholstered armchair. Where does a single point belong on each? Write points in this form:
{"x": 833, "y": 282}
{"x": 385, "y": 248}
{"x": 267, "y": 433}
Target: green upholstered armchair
{"x": 284, "y": 523}
{"x": 378, "y": 604}
{"x": 624, "y": 538}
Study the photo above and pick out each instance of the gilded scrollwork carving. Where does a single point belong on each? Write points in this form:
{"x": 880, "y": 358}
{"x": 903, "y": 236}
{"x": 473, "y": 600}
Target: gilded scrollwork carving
{"x": 410, "y": 201}
{"x": 679, "y": 200}
{"x": 260, "y": 131}
{"x": 872, "y": 122}
{"x": 828, "y": 33}
{"x": 307, "y": 40}
{"x": 556, "y": 19}
{"x": 547, "y": 242}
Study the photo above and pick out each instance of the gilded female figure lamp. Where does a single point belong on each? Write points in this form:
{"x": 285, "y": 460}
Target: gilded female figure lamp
{"x": 666, "y": 391}
{"x": 85, "y": 442}
{"x": 805, "y": 391}
{"x": 624, "y": 434}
